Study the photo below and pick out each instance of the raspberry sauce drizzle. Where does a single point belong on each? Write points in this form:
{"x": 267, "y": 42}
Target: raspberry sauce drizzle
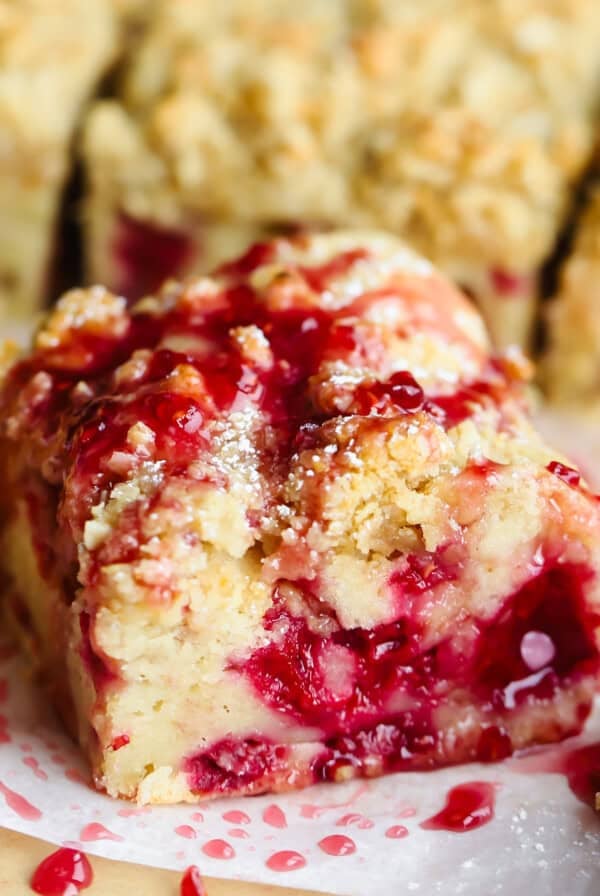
{"x": 96, "y": 831}
{"x": 468, "y": 806}
{"x": 19, "y": 804}
{"x": 63, "y": 873}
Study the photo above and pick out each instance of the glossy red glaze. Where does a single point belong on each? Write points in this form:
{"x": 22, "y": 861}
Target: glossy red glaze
{"x": 192, "y": 883}
{"x": 146, "y": 255}
{"x": 400, "y": 392}
{"x": 64, "y": 873}
{"x": 468, "y": 806}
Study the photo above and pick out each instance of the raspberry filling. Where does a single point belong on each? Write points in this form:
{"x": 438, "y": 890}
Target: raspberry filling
{"x": 375, "y": 694}
{"x": 99, "y": 670}
{"x": 146, "y": 255}
{"x": 510, "y": 285}
{"x": 234, "y": 764}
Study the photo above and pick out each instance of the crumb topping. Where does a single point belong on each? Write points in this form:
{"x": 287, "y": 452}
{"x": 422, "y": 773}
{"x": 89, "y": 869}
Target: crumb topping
{"x": 374, "y": 113}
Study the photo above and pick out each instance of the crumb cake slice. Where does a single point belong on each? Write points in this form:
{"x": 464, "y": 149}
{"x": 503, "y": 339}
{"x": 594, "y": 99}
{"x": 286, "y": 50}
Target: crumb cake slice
{"x": 255, "y": 118}
{"x": 290, "y": 523}
{"x": 52, "y": 54}
{"x": 571, "y": 367}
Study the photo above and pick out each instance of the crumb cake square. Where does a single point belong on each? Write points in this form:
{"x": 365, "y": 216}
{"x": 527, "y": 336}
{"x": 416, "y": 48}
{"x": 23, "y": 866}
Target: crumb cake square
{"x": 571, "y": 368}
{"x": 459, "y": 126}
{"x": 290, "y": 523}
{"x": 52, "y": 54}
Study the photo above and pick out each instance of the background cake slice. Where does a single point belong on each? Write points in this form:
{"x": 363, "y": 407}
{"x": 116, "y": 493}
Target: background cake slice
{"x": 290, "y": 523}
{"x": 52, "y": 55}
{"x": 571, "y": 367}
{"x": 461, "y": 127}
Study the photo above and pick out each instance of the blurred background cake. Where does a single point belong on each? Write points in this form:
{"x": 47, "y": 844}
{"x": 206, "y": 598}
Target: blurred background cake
{"x": 146, "y": 139}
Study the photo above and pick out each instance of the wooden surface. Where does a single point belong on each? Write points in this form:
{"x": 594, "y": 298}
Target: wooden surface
{"x": 19, "y": 856}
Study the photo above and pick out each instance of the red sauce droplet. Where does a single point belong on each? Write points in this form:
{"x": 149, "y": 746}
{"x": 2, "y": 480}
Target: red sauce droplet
{"x": 239, "y": 833}
{"x": 337, "y": 845}
{"x": 96, "y": 831}
{"x": 468, "y": 806}
{"x": 286, "y": 860}
{"x": 185, "y": 830}
{"x": 64, "y": 873}
{"x": 397, "y": 832}
{"x": 197, "y": 816}
{"x": 353, "y": 818}
{"x": 73, "y": 774}
{"x": 192, "y": 883}
{"x": 34, "y": 765}
{"x": 408, "y": 812}
{"x": 121, "y": 741}
{"x": 236, "y": 817}
{"x": 567, "y": 474}
{"x": 218, "y": 849}
{"x": 274, "y": 816}
{"x": 19, "y": 804}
